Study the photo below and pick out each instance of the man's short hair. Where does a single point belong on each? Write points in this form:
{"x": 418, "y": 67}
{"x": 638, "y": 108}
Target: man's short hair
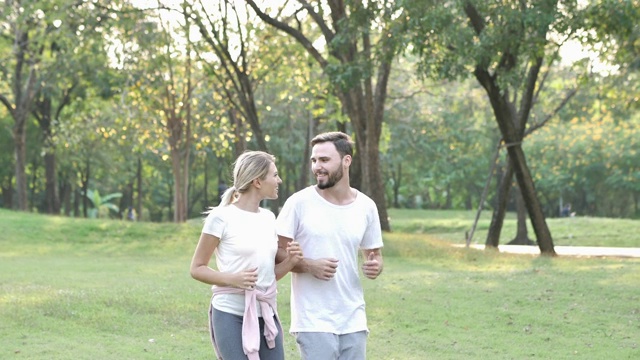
{"x": 342, "y": 141}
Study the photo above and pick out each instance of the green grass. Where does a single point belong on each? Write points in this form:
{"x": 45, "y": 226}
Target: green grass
{"x": 100, "y": 289}
{"x": 451, "y": 225}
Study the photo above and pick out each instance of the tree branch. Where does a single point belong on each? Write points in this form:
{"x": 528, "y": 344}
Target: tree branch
{"x": 475, "y": 18}
{"x": 545, "y": 76}
{"x": 66, "y": 99}
{"x": 555, "y": 111}
{"x": 527, "y": 98}
{"x": 7, "y": 104}
{"x": 326, "y": 32}
{"x": 291, "y": 31}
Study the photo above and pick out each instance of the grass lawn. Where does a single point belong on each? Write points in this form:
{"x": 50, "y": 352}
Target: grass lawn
{"x": 103, "y": 289}
{"x": 451, "y": 225}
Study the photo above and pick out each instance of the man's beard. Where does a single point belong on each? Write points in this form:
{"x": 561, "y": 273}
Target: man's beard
{"x": 332, "y": 179}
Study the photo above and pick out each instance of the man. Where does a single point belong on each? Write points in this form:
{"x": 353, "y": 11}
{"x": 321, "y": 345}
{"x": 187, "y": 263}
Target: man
{"x": 331, "y": 221}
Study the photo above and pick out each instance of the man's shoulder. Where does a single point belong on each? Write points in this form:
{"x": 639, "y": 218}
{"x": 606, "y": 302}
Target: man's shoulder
{"x": 362, "y": 197}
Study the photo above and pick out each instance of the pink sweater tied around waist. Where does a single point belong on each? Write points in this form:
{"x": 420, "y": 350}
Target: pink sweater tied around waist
{"x": 250, "y": 324}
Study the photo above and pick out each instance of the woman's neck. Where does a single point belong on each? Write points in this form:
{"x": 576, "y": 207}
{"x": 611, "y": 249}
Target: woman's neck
{"x": 248, "y": 202}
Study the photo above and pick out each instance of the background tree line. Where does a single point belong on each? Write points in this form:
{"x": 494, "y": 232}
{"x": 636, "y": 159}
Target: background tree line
{"x": 118, "y": 105}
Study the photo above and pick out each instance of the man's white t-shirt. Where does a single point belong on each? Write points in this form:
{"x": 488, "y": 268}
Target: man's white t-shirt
{"x": 326, "y": 230}
{"x": 248, "y": 240}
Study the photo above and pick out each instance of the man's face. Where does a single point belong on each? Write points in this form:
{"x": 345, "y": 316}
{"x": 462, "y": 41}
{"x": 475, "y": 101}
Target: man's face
{"x": 326, "y": 165}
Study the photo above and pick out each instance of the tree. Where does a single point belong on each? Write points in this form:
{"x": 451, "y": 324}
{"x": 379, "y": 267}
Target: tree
{"x": 445, "y": 126}
{"x": 237, "y": 66}
{"x": 44, "y": 35}
{"x": 161, "y": 87}
{"x": 361, "y": 44}
{"x": 25, "y": 27}
{"x": 76, "y": 60}
{"x": 505, "y": 46}
{"x": 7, "y": 172}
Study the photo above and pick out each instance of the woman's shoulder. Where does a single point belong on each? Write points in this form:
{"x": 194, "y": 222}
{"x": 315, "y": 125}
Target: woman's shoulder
{"x": 217, "y": 211}
{"x": 267, "y": 213}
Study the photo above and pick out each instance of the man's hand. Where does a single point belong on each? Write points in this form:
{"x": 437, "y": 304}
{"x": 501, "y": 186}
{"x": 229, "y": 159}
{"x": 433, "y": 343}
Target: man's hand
{"x": 371, "y": 266}
{"x": 322, "y": 269}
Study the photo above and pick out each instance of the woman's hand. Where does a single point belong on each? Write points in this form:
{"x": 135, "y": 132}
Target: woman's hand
{"x": 294, "y": 252}
{"x": 245, "y": 279}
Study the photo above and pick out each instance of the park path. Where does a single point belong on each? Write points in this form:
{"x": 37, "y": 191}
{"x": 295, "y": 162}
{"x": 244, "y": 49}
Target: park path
{"x": 588, "y": 251}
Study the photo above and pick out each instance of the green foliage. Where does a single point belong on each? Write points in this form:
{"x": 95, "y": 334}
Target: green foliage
{"x": 447, "y": 127}
{"x": 616, "y": 31}
{"x": 101, "y": 203}
{"x": 444, "y": 35}
{"x": 437, "y": 136}
{"x": 590, "y": 161}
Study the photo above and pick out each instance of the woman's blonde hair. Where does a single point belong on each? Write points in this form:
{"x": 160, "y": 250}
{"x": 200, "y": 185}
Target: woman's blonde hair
{"x": 249, "y": 166}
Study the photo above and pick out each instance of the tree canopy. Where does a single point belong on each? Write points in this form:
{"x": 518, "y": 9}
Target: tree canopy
{"x": 155, "y": 102}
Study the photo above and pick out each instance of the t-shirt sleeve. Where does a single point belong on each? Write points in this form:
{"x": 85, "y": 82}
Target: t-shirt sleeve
{"x": 286, "y": 221}
{"x": 214, "y": 224}
{"x": 372, "y": 238}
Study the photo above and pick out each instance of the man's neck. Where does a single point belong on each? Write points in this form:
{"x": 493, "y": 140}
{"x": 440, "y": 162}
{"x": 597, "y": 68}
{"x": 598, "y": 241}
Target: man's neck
{"x": 339, "y": 194}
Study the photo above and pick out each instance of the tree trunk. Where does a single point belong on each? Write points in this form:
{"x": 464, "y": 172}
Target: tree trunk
{"x": 186, "y": 147}
{"x": 525, "y": 183}
{"x": 51, "y": 178}
{"x": 377, "y": 185}
{"x": 44, "y": 113}
{"x": 77, "y": 197}
{"x": 23, "y": 94}
{"x": 312, "y": 129}
{"x": 139, "y": 188}
{"x": 20, "y": 139}
{"x": 239, "y": 145}
{"x": 522, "y": 235}
{"x": 7, "y": 196}
{"x": 500, "y": 210}
{"x": 65, "y": 196}
{"x": 34, "y": 182}
{"x": 178, "y": 187}
{"x": 507, "y": 122}
{"x": 206, "y": 183}
{"x": 85, "y": 188}
{"x": 397, "y": 179}
{"x": 366, "y": 114}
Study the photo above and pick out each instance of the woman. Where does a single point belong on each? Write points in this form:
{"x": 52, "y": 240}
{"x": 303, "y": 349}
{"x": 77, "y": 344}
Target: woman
{"x": 243, "y": 237}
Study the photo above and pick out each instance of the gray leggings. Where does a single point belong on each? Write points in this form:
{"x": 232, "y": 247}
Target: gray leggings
{"x": 227, "y": 329}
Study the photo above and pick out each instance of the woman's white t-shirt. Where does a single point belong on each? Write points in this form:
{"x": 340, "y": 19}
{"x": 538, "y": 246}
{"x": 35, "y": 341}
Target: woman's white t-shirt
{"x": 248, "y": 240}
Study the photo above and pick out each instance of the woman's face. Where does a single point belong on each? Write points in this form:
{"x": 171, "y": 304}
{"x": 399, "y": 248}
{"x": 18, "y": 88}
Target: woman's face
{"x": 269, "y": 185}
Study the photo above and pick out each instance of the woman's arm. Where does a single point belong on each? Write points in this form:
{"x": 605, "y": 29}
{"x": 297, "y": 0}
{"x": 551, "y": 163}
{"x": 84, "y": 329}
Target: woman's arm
{"x": 201, "y": 271}
{"x": 287, "y": 258}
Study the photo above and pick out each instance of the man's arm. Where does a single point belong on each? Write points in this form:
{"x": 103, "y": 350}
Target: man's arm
{"x": 323, "y": 269}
